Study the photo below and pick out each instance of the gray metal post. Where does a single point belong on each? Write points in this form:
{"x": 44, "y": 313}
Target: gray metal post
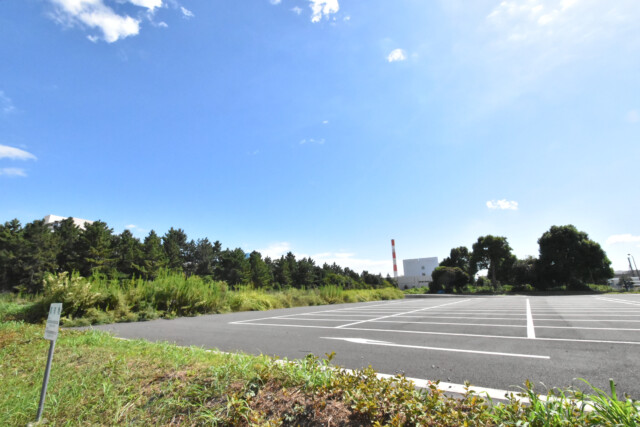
{"x": 45, "y": 382}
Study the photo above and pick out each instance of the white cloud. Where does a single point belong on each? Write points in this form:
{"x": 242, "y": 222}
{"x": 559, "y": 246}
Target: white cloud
{"x": 149, "y": 4}
{"x": 322, "y": 8}
{"x": 95, "y": 14}
{"x": 397, "y": 55}
{"x": 186, "y": 12}
{"x": 162, "y": 24}
{"x": 13, "y": 153}
{"x": 502, "y": 204}
{"x": 633, "y": 116}
{"x": 12, "y": 172}
{"x": 312, "y": 141}
{"x": 296, "y": 10}
{"x": 6, "y": 105}
{"x": 325, "y": 122}
{"x": 275, "y": 250}
{"x": 565, "y": 22}
{"x": 622, "y": 238}
{"x": 275, "y": 1}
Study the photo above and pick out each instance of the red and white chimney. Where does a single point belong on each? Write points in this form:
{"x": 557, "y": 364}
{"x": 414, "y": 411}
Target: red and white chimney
{"x": 395, "y": 264}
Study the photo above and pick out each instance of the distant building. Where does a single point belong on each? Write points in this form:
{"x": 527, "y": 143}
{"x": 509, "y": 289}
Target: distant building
{"x": 417, "y": 272}
{"x": 53, "y": 220}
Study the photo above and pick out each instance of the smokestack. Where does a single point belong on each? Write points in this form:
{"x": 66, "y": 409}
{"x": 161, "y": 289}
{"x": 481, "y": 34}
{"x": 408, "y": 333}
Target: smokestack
{"x": 395, "y": 264}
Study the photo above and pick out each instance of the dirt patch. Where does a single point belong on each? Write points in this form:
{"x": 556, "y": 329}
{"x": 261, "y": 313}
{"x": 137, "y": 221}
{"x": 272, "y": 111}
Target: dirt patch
{"x": 8, "y": 337}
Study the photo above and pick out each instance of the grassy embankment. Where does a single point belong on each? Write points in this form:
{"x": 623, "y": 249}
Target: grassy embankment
{"x": 95, "y": 300}
{"x": 99, "y": 380}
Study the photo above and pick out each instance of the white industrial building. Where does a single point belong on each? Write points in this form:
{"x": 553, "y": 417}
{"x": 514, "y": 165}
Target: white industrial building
{"x": 417, "y": 272}
{"x": 53, "y": 220}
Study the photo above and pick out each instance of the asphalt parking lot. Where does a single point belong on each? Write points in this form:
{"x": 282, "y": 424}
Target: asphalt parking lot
{"x": 493, "y": 342}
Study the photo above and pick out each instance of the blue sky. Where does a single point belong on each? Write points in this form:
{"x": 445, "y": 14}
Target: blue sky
{"x": 326, "y": 127}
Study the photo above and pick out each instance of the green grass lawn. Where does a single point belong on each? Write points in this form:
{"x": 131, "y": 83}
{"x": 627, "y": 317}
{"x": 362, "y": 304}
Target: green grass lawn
{"x": 100, "y": 380}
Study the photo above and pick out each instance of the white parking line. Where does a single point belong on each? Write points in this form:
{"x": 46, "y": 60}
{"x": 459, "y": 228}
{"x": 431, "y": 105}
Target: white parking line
{"x": 394, "y": 315}
{"x": 452, "y": 350}
{"x": 418, "y": 323}
{"x": 531, "y": 332}
{"x": 444, "y": 333}
{"x": 618, "y": 301}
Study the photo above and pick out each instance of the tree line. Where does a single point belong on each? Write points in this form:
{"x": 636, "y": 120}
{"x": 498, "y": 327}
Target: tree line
{"x": 567, "y": 258}
{"x": 28, "y": 253}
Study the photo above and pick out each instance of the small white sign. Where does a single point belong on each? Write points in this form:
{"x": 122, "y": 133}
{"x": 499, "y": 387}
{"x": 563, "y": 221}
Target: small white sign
{"x": 53, "y": 321}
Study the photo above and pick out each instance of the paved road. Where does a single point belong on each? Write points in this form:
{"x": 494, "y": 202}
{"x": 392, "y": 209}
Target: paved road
{"x": 496, "y": 342}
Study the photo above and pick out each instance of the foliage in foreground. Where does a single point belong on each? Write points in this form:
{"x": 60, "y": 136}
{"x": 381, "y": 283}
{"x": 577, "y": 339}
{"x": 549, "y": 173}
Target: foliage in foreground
{"x": 97, "y": 300}
{"x": 98, "y": 380}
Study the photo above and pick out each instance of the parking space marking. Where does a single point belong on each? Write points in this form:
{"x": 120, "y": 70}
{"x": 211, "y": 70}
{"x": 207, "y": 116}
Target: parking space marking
{"x": 618, "y": 301}
{"x": 444, "y": 333}
{"x": 419, "y": 347}
{"x": 531, "y": 332}
{"x": 238, "y": 322}
{"x": 408, "y": 312}
{"x": 467, "y": 317}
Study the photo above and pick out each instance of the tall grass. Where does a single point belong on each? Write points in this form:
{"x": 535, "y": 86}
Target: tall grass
{"x": 97, "y": 300}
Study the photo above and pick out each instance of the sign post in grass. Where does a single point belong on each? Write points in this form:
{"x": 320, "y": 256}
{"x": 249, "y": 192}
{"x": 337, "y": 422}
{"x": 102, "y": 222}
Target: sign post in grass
{"x": 51, "y": 334}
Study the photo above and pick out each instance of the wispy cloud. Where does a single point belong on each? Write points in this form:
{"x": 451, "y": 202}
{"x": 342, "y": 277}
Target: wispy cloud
{"x": 274, "y": 2}
{"x": 562, "y": 23}
{"x": 325, "y": 122}
{"x": 312, "y": 141}
{"x": 397, "y": 55}
{"x": 503, "y": 204}
{"x": 14, "y": 153}
{"x": 6, "y": 104}
{"x": 186, "y": 13}
{"x": 275, "y": 250}
{"x": 13, "y": 172}
{"x": 296, "y": 10}
{"x": 622, "y": 238}
{"x": 323, "y": 8}
{"x": 633, "y": 116}
{"x": 149, "y": 4}
{"x": 135, "y": 229}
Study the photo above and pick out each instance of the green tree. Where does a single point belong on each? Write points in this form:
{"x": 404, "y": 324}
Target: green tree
{"x": 207, "y": 257}
{"x": 175, "y": 246}
{"x": 569, "y": 257}
{"x": 448, "y": 278}
{"x": 234, "y": 267}
{"x": 129, "y": 254}
{"x": 154, "y": 258}
{"x": 458, "y": 257}
{"x": 494, "y": 254}
{"x": 260, "y": 274}
{"x": 37, "y": 255}
{"x": 67, "y": 234}
{"x": 11, "y": 243}
{"x": 523, "y": 271}
{"x": 304, "y": 275}
{"x": 95, "y": 250}
{"x": 282, "y": 272}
